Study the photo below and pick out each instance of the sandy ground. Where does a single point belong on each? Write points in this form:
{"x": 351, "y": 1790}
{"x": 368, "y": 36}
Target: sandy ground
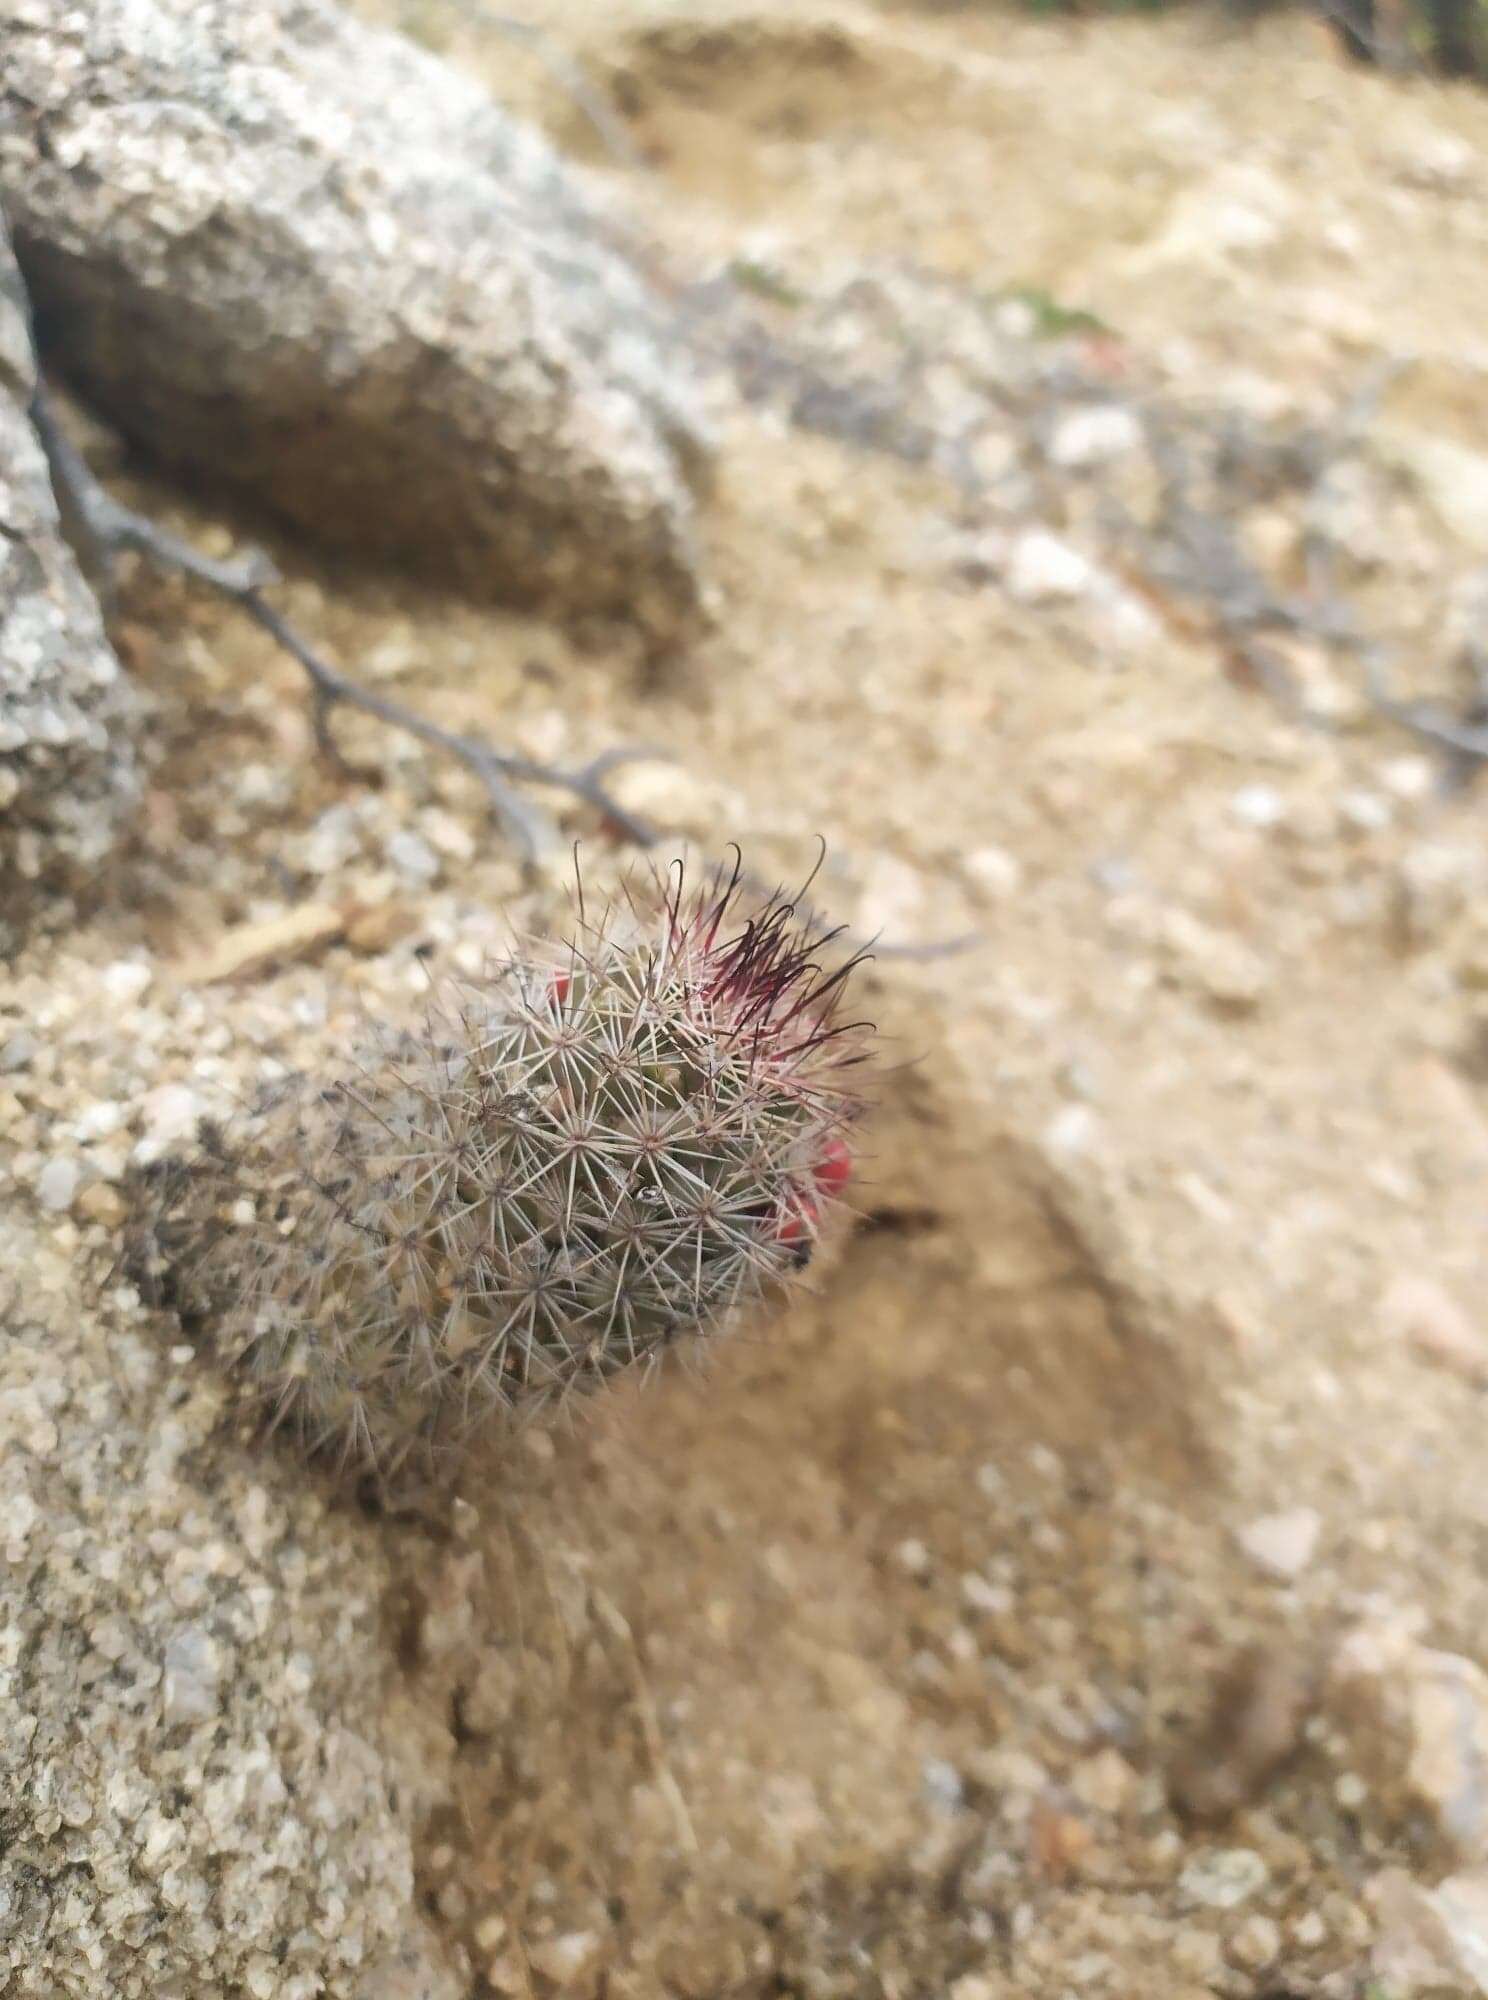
{"x": 877, "y": 1659}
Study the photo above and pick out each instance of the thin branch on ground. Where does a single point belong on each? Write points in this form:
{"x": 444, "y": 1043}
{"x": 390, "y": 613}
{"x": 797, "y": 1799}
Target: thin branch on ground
{"x": 1464, "y": 737}
{"x": 569, "y": 77}
{"x": 114, "y": 529}
{"x": 1195, "y": 553}
{"x": 922, "y": 954}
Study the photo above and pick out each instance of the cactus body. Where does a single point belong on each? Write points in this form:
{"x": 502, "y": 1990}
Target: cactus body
{"x": 592, "y": 1157}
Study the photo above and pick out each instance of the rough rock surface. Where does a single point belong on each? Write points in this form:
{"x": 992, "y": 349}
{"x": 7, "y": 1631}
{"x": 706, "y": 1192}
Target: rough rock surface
{"x": 307, "y": 258}
{"x": 194, "y": 1797}
{"x": 66, "y": 770}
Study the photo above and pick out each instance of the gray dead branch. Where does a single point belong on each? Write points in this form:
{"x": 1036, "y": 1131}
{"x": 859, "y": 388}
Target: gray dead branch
{"x": 110, "y": 530}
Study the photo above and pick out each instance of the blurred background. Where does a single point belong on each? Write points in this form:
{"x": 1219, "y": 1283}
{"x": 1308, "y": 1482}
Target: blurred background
{"x": 1083, "y": 1592}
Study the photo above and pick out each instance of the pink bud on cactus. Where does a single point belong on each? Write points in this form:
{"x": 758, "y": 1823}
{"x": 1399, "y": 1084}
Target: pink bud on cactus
{"x": 833, "y": 1168}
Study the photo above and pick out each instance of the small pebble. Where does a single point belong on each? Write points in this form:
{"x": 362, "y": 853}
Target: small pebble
{"x": 1419, "y": 1311}
{"x": 1260, "y": 806}
{"x": 97, "y": 1121}
{"x": 913, "y": 1558}
{"x": 1043, "y": 569}
{"x": 1256, "y": 1944}
{"x": 192, "y": 1671}
{"x": 126, "y": 980}
{"x": 993, "y": 873}
{"x": 1409, "y": 778}
{"x": 1282, "y": 1545}
{"x": 57, "y": 1185}
{"x": 101, "y": 1203}
{"x": 17, "y": 1054}
{"x": 942, "y": 1784}
{"x": 1197, "y": 1953}
{"x": 412, "y": 857}
{"x": 1438, "y": 161}
{"x": 991, "y": 1599}
{"x": 1072, "y": 1132}
{"x": 1365, "y": 812}
{"x": 1103, "y": 1782}
{"x": 1429, "y": 1941}
{"x": 1094, "y": 435}
{"x": 171, "y": 1114}
{"x": 1219, "y": 965}
{"x": 565, "y": 1959}
{"x": 1223, "y": 1877}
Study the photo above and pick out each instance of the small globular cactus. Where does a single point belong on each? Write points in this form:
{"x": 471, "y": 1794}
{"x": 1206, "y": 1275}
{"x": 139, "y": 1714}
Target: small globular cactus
{"x": 596, "y": 1154}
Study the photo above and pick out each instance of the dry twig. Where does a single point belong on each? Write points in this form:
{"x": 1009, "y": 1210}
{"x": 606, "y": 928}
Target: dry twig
{"x": 114, "y": 529}
{"x": 569, "y": 77}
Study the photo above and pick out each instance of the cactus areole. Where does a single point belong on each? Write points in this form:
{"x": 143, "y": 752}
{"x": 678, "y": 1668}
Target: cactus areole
{"x": 590, "y": 1156}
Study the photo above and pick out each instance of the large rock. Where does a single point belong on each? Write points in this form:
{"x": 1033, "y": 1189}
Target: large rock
{"x": 197, "y": 1799}
{"x": 66, "y": 770}
{"x": 1416, "y": 1723}
{"x": 304, "y": 257}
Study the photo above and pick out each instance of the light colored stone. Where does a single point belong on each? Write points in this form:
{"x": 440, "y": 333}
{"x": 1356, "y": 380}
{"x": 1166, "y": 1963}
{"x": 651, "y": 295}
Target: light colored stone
{"x": 1104, "y": 1782}
{"x": 57, "y": 1184}
{"x": 126, "y": 981}
{"x": 994, "y": 874}
{"x": 1440, "y": 161}
{"x": 192, "y": 1670}
{"x": 97, "y": 1121}
{"x": 1256, "y": 1944}
{"x": 675, "y": 795}
{"x": 1451, "y": 478}
{"x": 1434, "y": 883}
{"x": 1238, "y": 211}
{"x": 975, "y": 1986}
{"x": 1260, "y": 806}
{"x": 891, "y": 902}
{"x": 1074, "y": 1132}
{"x": 1216, "y": 963}
{"x": 1416, "y": 1720}
{"x": 566, "y": 1959}
{"x": 1220, "y": 1878}
{"x": 992, "y": 1600}
{"x": 1430, "y": 1941}
{"x": 1449, "y": 1756}
{"x": 1094, "y": 435}
{"x": 171, "y": 1113}
{"x": 942, "y": 1784}
{"x": 1043, "y": 568}
{"x": 1282, "y": 1545}
{"x": 413, "y": 858}
{"x": 1363, "y": 811}
{"x": 1423, "y": 1314}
